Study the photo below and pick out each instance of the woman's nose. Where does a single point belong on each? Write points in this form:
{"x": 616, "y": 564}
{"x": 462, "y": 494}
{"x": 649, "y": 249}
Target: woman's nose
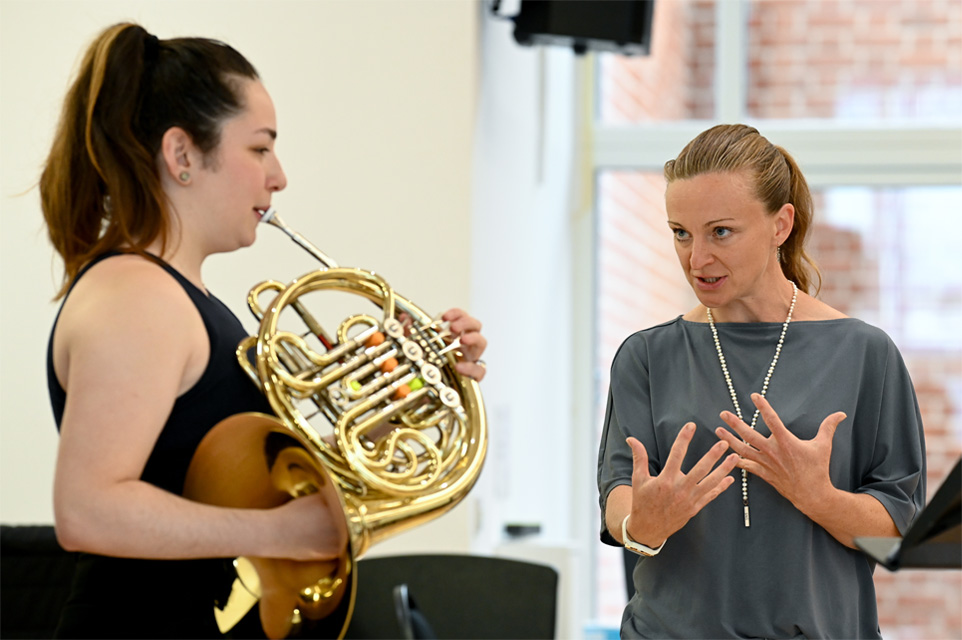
{"x": 700, "y": 254}
{"x": 277, "y": 179}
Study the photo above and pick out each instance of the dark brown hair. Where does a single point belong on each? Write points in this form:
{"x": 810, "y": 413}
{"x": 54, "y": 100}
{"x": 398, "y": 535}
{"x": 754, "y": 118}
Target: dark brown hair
{"x": 100, "y": 187}
{"x": 776, "y": 178}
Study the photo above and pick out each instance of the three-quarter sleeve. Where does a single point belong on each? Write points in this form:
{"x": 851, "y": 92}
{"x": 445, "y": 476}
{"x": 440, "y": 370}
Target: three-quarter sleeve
{"x": 628, "y": 413}
{"x": 896, "y": 476}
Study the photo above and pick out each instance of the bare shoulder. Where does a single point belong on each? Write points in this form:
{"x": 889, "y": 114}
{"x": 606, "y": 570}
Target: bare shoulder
{"x": 124, "y": 308}
{"x": 123, "y": 289}
{"x": 808, "y": 308}
{"x": 127, "y": 274}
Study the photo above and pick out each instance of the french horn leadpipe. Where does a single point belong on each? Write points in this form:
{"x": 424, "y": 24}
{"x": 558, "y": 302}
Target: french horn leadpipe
{"x": 406, "y": 435}
{"x": 270, "y": 217}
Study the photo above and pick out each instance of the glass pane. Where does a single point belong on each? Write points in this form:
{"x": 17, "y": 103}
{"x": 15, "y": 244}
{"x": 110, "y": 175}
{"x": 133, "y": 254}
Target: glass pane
{"x": 896, "y": 268}
{"x": 855, "y": 59}
{"x": 675, "y": 81}
{"x": 887, "y": 256}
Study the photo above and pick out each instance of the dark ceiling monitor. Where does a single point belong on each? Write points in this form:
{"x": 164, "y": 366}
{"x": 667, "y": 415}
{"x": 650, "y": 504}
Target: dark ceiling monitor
{"x": 620, "y": 26}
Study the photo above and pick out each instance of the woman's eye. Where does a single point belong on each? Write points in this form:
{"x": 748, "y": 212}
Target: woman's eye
{"x": 680, "y": 234}
{"x": 722, "y": 232}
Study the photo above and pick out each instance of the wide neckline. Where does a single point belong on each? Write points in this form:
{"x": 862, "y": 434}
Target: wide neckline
{"x": 682, "y": 319}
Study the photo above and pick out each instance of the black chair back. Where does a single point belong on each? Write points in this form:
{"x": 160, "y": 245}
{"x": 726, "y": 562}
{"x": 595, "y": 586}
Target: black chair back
{"x": 452, "y": 597}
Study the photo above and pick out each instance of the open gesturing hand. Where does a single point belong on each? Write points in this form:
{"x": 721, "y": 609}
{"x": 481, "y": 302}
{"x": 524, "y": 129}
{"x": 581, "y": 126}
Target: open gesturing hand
{"x": 663, "y": 504}
{"x": 797, "y": 469}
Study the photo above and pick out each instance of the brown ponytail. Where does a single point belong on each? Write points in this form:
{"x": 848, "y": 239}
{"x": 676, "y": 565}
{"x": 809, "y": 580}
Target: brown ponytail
{"x": 100, "y": 188}
{"x": 777, "y": 179}
{"x": 797, "y": 265}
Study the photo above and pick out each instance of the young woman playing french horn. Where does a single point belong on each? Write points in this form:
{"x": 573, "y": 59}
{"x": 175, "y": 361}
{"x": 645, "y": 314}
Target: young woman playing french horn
{"x": 820, "y": 418}
{"x": 164, "y": 155}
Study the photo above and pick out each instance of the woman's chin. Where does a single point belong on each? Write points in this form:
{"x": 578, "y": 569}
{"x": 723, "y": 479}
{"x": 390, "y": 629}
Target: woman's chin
{"x": 710, "y": 299}
{"x": 248, "y": 239}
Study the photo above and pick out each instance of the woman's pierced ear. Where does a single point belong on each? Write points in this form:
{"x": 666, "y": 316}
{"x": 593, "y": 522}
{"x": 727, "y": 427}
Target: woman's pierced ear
{"x": 184, "y": 177}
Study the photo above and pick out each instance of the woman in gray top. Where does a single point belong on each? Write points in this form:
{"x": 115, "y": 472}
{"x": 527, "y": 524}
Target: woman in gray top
{"x": 819, "y": 412}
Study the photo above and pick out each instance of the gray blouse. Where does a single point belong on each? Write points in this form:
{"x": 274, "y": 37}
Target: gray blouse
{"x": 785, "y": 576}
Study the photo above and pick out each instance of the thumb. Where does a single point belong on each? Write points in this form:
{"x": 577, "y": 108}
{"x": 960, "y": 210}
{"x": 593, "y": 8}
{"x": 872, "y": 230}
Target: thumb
{"x": 827, "y": 429}
{"x": 639, "y": 461}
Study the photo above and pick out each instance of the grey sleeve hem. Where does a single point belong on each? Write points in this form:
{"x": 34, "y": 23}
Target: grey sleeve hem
{"x": 895, "y": 508}
{"x": 606, "y": 536}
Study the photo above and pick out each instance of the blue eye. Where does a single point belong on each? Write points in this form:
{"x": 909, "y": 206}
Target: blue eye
{"x": 722, "y": 232}
{"x": 680, "y": 234}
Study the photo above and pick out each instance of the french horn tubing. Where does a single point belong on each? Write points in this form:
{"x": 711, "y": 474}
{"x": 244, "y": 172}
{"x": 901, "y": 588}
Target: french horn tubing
{"x": 374, "y": 417}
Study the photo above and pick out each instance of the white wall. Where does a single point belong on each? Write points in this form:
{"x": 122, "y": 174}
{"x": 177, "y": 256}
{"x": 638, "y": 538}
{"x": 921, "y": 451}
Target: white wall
{"x": 375, "y": 102}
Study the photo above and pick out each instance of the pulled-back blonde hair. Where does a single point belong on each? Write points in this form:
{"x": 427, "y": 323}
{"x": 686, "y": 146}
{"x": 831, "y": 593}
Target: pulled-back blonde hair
{"x": 776, "y": 180}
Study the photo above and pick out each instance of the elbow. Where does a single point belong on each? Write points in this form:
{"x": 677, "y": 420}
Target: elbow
{"x": 64, "y": 539}
{"x": 613, "y": 525}
{"x": 617, "y": 506}
{"x": 69, "y": 530}
{"x": 73, "y": 525}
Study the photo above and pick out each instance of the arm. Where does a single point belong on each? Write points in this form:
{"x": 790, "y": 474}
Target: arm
{"x": 799, "y": 471}
{"x": 847, "y": 516}
{"x": 126, "y": 346}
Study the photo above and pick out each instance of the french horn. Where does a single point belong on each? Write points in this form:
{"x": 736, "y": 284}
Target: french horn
{"x": 374, "y": 417}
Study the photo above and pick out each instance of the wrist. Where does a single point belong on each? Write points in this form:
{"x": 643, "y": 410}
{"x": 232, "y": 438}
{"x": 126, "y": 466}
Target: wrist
{"x": 645, "y": 536}
{"x": 815, "y": 504}
{"x": 637, "y": 546}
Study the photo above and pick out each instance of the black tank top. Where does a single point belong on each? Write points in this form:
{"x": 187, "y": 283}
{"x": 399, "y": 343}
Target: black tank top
{"x": 119, "y": 597}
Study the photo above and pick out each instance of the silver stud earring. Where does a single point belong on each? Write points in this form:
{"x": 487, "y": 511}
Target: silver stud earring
{"x": 184, "y": 177}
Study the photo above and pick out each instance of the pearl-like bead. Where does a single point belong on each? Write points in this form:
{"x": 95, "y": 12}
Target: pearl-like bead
{"x": 768, "y": 377}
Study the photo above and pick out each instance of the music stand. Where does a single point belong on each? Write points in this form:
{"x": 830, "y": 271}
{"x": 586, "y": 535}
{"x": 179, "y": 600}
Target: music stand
{"x": 934, "y": 540}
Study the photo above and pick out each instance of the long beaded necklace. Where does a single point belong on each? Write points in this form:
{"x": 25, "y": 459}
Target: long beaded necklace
{"x": 768, "y": 377}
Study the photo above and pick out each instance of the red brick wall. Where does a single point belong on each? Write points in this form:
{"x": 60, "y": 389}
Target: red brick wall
{"x": 676, "y": 81}
{"x": 806, "y": 59}
{"x": 855, "y": 58}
